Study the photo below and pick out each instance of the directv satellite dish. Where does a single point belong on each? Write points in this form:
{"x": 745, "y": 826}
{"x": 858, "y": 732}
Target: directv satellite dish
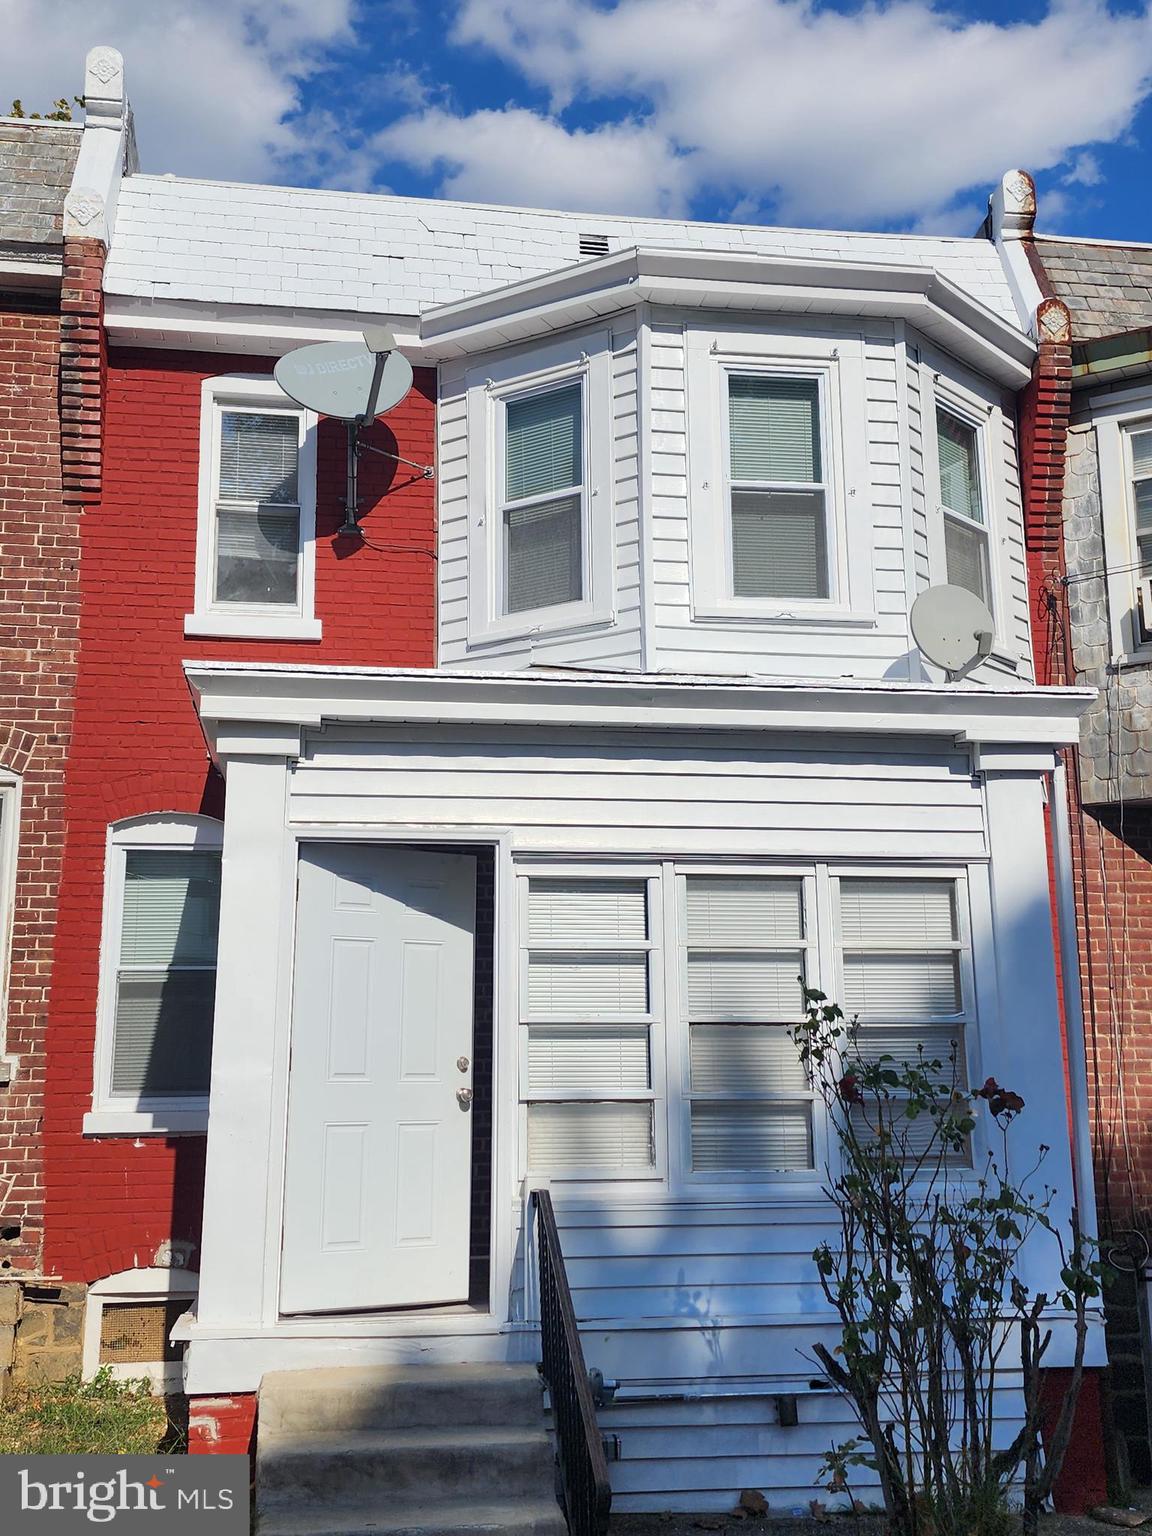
{"x": 952, "y": 627}
{"x": 351, "y": 380}
{"x": 354, "y": 381}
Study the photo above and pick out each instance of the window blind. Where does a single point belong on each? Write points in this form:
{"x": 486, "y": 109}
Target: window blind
{"x": 904, "y": 1044}
{"x": 959, "y": 466}
{"x": 779, "y": 547}
{"x": 542, "y": 443}
{"x": 897, "y": 911}
{"x": 595, "y": 985}
{"x": 171, "y": 908}
{"x": 1142, "y": 453}
{"x": 745, "y": 1058}
{"x": 607, "y": 1137}
{"x": 542, "y": 555}
{"x": 257, "y": 555}
{"x": 259, "y": 457}
{"x": 574, "y": 1056}
{"x": 750, "y": 1138}
{"x": 965, "y": 555}
{"x": 1142, "y": 498}
{"x": 731, "y": 913}
{"x": 727, "y": 986}
{"x": 587, "y": 911}
{"x": 774, "y": 429}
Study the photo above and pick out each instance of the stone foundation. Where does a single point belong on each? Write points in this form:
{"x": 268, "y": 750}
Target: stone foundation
{"x": 41, "y": 1332}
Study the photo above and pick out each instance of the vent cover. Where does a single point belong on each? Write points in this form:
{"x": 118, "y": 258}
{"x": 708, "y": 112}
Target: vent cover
{"x": 136, "y": 1332}
{"x": 593, "y": 245}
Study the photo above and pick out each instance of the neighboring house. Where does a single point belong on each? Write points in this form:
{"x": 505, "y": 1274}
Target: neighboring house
{"x": 1093, "y": 615}
{"x": 501, "y": 839}
{"x": 48, "y": 301}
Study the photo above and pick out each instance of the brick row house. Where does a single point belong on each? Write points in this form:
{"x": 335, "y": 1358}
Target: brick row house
{"x": 411, "y": 872}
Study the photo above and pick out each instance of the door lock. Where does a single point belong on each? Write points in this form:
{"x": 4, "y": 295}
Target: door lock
{"x": 464, "y": 1097}
{"x": 463, "y": 1063}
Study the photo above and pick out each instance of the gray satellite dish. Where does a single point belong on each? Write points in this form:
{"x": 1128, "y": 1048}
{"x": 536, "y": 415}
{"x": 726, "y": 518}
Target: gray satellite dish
{"x": 351, "y": 380}
{"x": 952, "y": 627}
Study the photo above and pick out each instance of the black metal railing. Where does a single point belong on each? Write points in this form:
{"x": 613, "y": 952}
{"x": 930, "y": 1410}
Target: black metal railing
{"x": 579, "y": 1448}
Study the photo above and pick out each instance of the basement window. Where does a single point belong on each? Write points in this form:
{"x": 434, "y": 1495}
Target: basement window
{"x": 128, "y": 1323}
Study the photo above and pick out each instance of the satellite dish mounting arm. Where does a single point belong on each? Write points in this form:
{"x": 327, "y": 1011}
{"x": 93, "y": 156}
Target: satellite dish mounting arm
{"x": 380, "y": 341}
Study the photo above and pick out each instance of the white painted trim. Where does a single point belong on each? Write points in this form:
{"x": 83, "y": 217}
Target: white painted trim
{"x": 835, "y": 358}
{"x": 256, "y": 620}
{"x": 745, "y": 280}
{"x": 10, "y": 797}
{"x": 234, "y": 698}
{"x": 131, "y": 1285}
{"x": 111, "y": 1115}
{"x": 587, "y": 358}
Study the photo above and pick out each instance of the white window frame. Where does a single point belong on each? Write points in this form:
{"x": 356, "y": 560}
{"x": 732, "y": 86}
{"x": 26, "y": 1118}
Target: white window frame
{"x": 9, "y": 854}
{"x": 982, "y": 412}
{"x": 836, "y": 362}
{"x": 135, "y": 1285}
{"x": 585, "y": 359}
{"x": 652, "y": 1021}
{"x": 258, "y": 621}
{"x": 116, "y": 1115}
{"x": 1116, "y": 417}
{"x": 794, "y": 1178}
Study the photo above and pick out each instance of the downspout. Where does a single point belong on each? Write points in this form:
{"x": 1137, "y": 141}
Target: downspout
{"x": 1082, "y": 1172}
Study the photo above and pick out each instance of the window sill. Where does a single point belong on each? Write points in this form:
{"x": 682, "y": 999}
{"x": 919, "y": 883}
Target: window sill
{"x": 146, "y": 1122}
{"x": 1138, "y": 658}
{"x": 811, "y": 616}
{"x": 252, "y": 626}
{"x": 524, "y": 627}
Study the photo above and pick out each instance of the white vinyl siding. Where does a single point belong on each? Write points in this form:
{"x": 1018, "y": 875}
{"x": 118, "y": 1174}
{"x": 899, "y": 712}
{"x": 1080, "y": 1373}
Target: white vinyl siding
{"x": 257, "y": 532}
{"x": 750, "y": 1102}
{"x": 778, "y": 513}
{"x": 962, "y": 504}
{"x": 543, "y": 499}
{"x": 165, "y": 983}
{"x": 904, "y": 960}
{"x": 586, "y": 1012}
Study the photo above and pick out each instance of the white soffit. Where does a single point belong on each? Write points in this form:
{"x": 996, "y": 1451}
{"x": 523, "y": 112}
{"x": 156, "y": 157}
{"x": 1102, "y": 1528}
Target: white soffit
{"x": 262, "y": 708}
{"x": 738, "y": 281}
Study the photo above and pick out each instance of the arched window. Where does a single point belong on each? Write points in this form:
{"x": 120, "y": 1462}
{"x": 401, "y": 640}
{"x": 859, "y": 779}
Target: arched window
{"x": 157, "y": 975}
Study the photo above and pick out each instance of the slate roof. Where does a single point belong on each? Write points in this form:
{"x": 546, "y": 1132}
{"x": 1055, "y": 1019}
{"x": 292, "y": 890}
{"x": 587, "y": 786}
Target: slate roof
{"x": 36, "y": 163}
{"x": 1108, "y": 288}
{"x": 303, "y": 248}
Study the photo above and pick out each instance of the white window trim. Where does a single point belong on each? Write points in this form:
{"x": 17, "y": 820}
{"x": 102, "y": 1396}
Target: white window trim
{"x": 258, "y": 621}
{"x": 135, "y": 1285}
{"x": 983, "y": 414}
{"x": 115, "y": 1115}
{"x": 652, "y": 1021}
{"x": 1116, "y": 417}
{"x": 9, "y": 852}
{"x": 586, "y": 359}
{"x": 837, "y": 363}
{"x": 668, "y": 1019}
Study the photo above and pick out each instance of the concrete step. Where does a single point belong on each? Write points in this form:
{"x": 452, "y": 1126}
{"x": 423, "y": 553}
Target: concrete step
{"x": 435, "y": 1517}
{"x": 404, "y": 1468}
{"x": 400, "y": 1397}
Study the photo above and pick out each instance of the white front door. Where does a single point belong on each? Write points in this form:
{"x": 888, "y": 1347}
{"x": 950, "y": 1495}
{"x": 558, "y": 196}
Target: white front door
{"x": 377, "y": 1178}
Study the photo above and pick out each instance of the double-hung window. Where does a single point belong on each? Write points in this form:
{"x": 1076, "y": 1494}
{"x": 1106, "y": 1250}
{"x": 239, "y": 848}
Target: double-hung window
{"x": 750, "y": 1098}
{"x": 962, "y": 504}
{"x": 587, "y": 1012}
{"x": 158, "y": 986}
{"x": 255, "y": 549}
{"x": 542, "y": 516}
{"x": 778, "y": 503}
{"x": 903, "y": 960}
{"x": 1140, "y": 480}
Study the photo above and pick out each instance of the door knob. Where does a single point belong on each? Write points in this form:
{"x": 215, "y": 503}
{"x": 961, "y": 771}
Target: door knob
{"x": 464, "y": 1097}
{"x": 462, "y": 1063}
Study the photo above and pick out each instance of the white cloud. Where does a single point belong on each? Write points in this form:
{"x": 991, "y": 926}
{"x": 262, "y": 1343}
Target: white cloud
{"x": 888, "y": 114}
{"x": 1085, "y": 171}
{"x": 522, "y": 157}
{"x": 214, "y": 84}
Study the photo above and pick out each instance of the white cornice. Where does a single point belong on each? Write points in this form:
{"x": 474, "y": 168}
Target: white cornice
{"x": 260, "y": 331}
{"x": 258, "y": 709}
{"x": 734, "y": 280}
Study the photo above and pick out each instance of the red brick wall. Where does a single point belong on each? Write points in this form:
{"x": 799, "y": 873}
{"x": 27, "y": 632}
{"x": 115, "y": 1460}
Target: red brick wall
{"x": 222, "y": 1426}
{"x": 138, "y": 748}
{"x": 39, "y": 612}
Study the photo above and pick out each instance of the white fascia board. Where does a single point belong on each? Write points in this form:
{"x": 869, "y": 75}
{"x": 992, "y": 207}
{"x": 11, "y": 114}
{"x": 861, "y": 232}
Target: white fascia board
{"x": 236, "y": 701}
{"x": 31, "y": 272}
{"x": 264, "y": 331}
{"x": 732, "y": 280}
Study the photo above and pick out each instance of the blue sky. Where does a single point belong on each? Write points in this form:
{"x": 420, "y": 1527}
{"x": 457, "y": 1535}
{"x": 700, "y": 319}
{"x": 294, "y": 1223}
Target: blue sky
{"x": 894, "y": 115}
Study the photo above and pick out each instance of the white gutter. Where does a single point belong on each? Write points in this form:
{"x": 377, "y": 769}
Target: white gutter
{"x": 1083, "y": 1176}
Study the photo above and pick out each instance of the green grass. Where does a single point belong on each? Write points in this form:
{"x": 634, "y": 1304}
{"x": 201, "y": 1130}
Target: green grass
{"x": 74, "y": 1417}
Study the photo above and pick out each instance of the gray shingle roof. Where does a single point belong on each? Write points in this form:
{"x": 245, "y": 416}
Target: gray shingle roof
{"x": 36, "y": 161}
{"x": 1108, "y": 288}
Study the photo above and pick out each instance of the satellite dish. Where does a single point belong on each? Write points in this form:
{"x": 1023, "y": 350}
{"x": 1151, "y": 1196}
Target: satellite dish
{"x": 351, "y": 380}
{"x": 952, "y": 627}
